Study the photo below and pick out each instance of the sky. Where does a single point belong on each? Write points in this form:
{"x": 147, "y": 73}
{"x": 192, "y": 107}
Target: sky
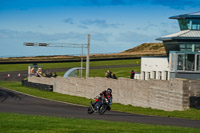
{"x": 114, "y": 25}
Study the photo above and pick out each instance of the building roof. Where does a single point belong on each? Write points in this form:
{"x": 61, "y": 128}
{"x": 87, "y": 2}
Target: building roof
{"x": 184, "y": 34}
{"x": 195, "y": 15}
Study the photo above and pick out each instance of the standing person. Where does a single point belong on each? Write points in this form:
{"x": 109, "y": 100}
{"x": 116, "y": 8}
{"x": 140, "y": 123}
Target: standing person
{"x": 114, "y": 76}
{"x": 32, "y": 71}
{"x": 108, "y": 74}
{"x": 55, "y": 75}
{"x": 132, "y": 75}
{"x": 39, "y": 72}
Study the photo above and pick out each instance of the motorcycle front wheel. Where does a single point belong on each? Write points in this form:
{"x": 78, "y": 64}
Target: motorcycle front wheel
{"x": 102, "y": 109}
{"x": 90, "y": 110}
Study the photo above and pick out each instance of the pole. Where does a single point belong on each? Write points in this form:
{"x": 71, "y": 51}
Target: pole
{"x": 88, "y": 57}
{"x": 82, "y": 62}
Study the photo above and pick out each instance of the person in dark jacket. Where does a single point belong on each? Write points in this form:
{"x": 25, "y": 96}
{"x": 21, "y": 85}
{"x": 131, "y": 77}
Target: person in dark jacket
{"x": 132, "y": 75}
{"x": 114, "y": 76}
{"x": 108, "y": 74}
{"x": 107, "y": 94}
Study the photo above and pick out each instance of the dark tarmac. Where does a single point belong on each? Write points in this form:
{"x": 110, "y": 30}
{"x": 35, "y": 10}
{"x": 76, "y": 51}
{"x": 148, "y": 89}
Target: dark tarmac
{"x": 15, "y": 102}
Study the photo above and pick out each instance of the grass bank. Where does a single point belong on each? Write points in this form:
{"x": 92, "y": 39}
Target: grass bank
{"x": 119, "y": 72}
{"x": 15, "y": 123}
{"x": 189, "y": 114}
{"x": 19, "y": 67}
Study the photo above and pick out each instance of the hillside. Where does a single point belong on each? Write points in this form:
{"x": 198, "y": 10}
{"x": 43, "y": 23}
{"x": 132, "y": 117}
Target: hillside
{"x": 151, "y": 48}
{"x": 145, "y": 49}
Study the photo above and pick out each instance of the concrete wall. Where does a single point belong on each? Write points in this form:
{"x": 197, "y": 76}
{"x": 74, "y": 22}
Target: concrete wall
{"x": 158, "y": 94}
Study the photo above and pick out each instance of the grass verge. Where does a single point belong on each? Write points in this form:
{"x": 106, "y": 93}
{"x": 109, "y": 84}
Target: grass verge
{"x": 119, "y": 72}
{"x": 18, "y": 67}
{"x": 15, "y": 123}
{"x": 189, "y": 114}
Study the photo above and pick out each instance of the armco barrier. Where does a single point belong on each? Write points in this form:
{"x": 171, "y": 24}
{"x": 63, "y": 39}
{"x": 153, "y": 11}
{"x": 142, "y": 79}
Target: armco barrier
{"x": 44, "y": 87}
{"x": 158, "y": 94}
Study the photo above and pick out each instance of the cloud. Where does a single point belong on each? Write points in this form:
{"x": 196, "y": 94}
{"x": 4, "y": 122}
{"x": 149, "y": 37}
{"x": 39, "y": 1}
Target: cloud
{"x": 101, "y": 36}
{"x": 86, "y": 23}
{"x": 37, "y": 36}
{"x": 69, "y": 21}
{"x": 70, "y": 37}
{"x": 82, "y": 26}
{"x": 158, "y": 29}
{"x": 133, "y": 37}
{"x": 98, "y": 23}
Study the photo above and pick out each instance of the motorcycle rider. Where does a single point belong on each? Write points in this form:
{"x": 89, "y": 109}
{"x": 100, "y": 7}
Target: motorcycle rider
{"x": 105, "y": 94}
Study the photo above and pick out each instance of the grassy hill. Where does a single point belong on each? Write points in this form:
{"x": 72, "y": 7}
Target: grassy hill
{"x": 145, "y": 49}
{"x": 151, "y": 48}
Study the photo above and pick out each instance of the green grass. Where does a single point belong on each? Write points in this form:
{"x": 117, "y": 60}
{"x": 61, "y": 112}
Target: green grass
{"x": 189, "y": 114}
{"x": 119, "y": 72}
{"x": 15, "y": 123}
{"x": 45, "y": 94}
{"x": 18, "y": 67}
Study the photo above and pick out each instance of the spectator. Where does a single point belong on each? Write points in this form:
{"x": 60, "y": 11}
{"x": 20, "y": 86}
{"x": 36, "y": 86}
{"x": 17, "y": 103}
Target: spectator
{"x": 114, "y": 76}
{"x": 108, "y": 74}
{"x": 38, "y": 75}
{"x": 132, "y": 75}
{"x": 32, "y": 71}
{"x": 39, "y": 72}
{"x": 55, "y": 75}
{"x": 48, "y": 74}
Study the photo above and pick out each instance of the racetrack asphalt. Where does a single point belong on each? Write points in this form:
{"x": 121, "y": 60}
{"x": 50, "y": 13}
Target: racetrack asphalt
{"x": 15, "y": 102}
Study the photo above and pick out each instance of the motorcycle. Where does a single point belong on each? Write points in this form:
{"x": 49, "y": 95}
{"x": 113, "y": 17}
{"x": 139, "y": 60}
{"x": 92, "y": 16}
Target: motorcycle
{"x": 100, "y": 106}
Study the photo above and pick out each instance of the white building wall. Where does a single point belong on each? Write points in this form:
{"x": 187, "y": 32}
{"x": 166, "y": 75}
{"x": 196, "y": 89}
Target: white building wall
{"x": 154, "y": 68}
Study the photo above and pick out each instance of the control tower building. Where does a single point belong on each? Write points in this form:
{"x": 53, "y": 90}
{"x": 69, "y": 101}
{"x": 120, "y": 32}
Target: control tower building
{"x": 183, "y": 52}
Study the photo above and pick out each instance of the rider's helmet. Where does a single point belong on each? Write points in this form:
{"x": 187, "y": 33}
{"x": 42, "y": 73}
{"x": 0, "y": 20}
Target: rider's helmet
{"x": 109, "y": 90}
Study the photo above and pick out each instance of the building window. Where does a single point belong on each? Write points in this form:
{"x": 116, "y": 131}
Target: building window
{"x": 198, "y": 63}
{"x": 189, "y": 24}
{"x": 182, "y": 47}
{"x": 189, "y": 47}
{"x": 189, "y": 62}
{"x": 180, "y": 65}
{"x": 197, "y": 48}
{"x": 183, "y": 24}
{"x": 185, "y": 62}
